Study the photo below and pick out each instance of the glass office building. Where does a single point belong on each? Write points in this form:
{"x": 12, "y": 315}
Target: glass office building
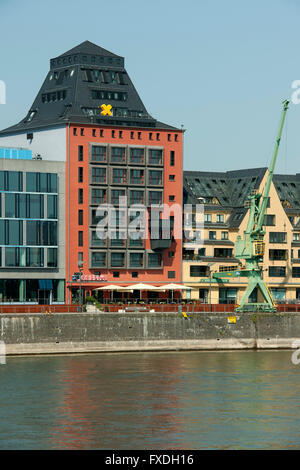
{"x": 29, "y": 237}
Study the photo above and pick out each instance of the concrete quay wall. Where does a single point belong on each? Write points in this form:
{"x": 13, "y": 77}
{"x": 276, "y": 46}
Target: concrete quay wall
{"x": 64, "y": 333}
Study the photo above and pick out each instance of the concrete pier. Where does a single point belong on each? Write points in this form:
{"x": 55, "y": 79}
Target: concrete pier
{"x": 63, "y": 333}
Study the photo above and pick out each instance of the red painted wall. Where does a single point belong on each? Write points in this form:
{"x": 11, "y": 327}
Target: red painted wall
{"x": 170, "y": 141}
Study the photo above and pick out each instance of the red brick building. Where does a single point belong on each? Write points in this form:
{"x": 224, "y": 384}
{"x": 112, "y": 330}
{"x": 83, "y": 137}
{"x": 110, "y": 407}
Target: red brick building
{"x": 89, "y": 114}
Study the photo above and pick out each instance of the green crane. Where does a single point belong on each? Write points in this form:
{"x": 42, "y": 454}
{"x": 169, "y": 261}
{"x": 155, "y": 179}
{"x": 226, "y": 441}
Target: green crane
{"x": 251, "y": 248}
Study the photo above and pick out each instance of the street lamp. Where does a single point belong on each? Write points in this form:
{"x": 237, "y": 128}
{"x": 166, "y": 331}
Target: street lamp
{"x": 210, "y": 273}
{"x": 80, "y": 267}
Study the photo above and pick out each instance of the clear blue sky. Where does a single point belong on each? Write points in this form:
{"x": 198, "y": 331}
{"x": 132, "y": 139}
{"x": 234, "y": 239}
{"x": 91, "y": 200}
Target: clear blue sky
{"x": 220, "y": 68}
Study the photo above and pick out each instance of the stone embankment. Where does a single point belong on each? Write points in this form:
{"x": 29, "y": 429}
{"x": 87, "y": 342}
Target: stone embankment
{"x": 117, "y": 332}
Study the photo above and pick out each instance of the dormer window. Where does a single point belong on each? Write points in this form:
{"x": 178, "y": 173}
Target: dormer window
{"x": 31, "y": 116}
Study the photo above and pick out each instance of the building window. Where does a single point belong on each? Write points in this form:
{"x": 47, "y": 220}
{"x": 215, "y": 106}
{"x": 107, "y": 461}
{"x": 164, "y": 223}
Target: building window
{"x": 51, "y": 206}
{"x": 98, "y": 196}
{"x": 155, "y": 177}
{"x": 81, "y": 131}
{"x": 155, "y": 197}
{"x": 74, "y": 130}
{"x": 116, "y": 195}
{"x": 80, "y": 196}
{"x": 277, "y": 271}
{"x": 136, "y": 260}
{"x": 198, "y": 271}
{"x": 98, "y": 259}
{"x": 39, "y": 183}
{"x": 13, "y": 232}
{"x": 169, "y": 137}
{"x": 117, "y": 155}
{"x": 269, "y": 220}
{"x": 278, "y": 294}
{"x": 117, "y": 259}
{"x": 117, "y": 239}
{"x": 172, "y": 158}
{"x": 155, "y": 157}
{"x": 296, "y": 237}
{"x": 136, "y": 156}
{"x": 98, "y": 175}
{"x": 223, "y": 252}
{"x": 80, "y": 153}
{"x": 171, "y": 254}
{"x": 80, "y": 238}
{"x": 224, "y": 235}
{"x": 280, "y": 255}
{"x": 52, "y": 257}
{"x": 136, "y": 197}
{"x": 30, "y": 206}
{"x": 136, "y": 176}
{"x": 212, "y": 235}
{"x": 171, "y": 274}
{"x": 94, "y": 132}
{"x": 132, "y": 135}
{"x": 227, "y": 295}
{"x": 220, "y": 218}
{"x": 34, "y": 257}
{"x": 80, "y": 174}
{"x": 134, "y": 274}
{"x": 80, "y": 217}
{"x": 171, "y": 198}
{"x": 154, "y": 260}
{"x": 41, "y": 233}
{"x": 296, "y": 271}
{"x": 207, "y": 218}
{"x": 119, "y": 176}
{"x": 277, "y": 237}
{"x": 171, "y": 177}
{"x": 139, "y": 135}
{"x": 116, "y": 274}
{"x": 99, "y": 153}
{"x": 96, "y": 241}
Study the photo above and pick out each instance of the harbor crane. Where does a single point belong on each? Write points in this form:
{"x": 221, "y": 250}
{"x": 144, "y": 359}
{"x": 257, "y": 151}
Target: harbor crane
{"x": 251, "y": 247}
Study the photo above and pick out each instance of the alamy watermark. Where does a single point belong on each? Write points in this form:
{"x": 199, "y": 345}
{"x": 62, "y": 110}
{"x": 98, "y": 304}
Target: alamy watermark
{"x": 2, "y": 352}
{"x": 2, "y": 92}
{"x": 157, "y": 221}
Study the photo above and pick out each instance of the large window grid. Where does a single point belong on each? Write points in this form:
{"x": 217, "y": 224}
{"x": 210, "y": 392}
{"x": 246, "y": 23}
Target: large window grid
{"x": 155, "y": 157}
{"x": 98, "y": 154}
{"x": 155, "y": 177}
{"x": 117, "y": 155}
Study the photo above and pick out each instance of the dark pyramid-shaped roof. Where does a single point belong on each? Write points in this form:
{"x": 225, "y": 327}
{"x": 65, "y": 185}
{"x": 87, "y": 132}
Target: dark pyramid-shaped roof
{"x": 78, "y": 83}
{"x": 88, "y": 47}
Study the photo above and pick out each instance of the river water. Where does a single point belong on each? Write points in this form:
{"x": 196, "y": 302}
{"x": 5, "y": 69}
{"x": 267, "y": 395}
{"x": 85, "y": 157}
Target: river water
{"x": 168, "y": 400}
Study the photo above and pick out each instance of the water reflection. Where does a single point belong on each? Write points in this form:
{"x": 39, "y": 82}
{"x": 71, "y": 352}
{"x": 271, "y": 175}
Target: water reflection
{"x": 195, "y": 400}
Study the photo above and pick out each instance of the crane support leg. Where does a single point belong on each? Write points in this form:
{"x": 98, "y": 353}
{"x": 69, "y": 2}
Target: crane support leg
{"x": 255, "y": 280}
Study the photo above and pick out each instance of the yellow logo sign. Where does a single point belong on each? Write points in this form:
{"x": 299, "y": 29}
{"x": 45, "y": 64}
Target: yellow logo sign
{"x": 106, "y": 109}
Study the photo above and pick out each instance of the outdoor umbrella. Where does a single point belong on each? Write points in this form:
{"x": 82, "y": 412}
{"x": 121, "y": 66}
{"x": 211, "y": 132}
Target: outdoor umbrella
{"x": 111, "y": 287}
{"x": 141, "y": 287}
{"x": 173, "y": 287}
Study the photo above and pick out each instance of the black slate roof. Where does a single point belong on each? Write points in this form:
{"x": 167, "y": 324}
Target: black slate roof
{"x": 288, "y": 189}
{"x": 77, "y": 84}
{"x": 225, "y": 190}
{"x": 228, "y": 189}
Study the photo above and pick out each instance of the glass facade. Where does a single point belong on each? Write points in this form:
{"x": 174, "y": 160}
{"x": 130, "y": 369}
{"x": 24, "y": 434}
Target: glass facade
{"x": 28, "y": 232}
